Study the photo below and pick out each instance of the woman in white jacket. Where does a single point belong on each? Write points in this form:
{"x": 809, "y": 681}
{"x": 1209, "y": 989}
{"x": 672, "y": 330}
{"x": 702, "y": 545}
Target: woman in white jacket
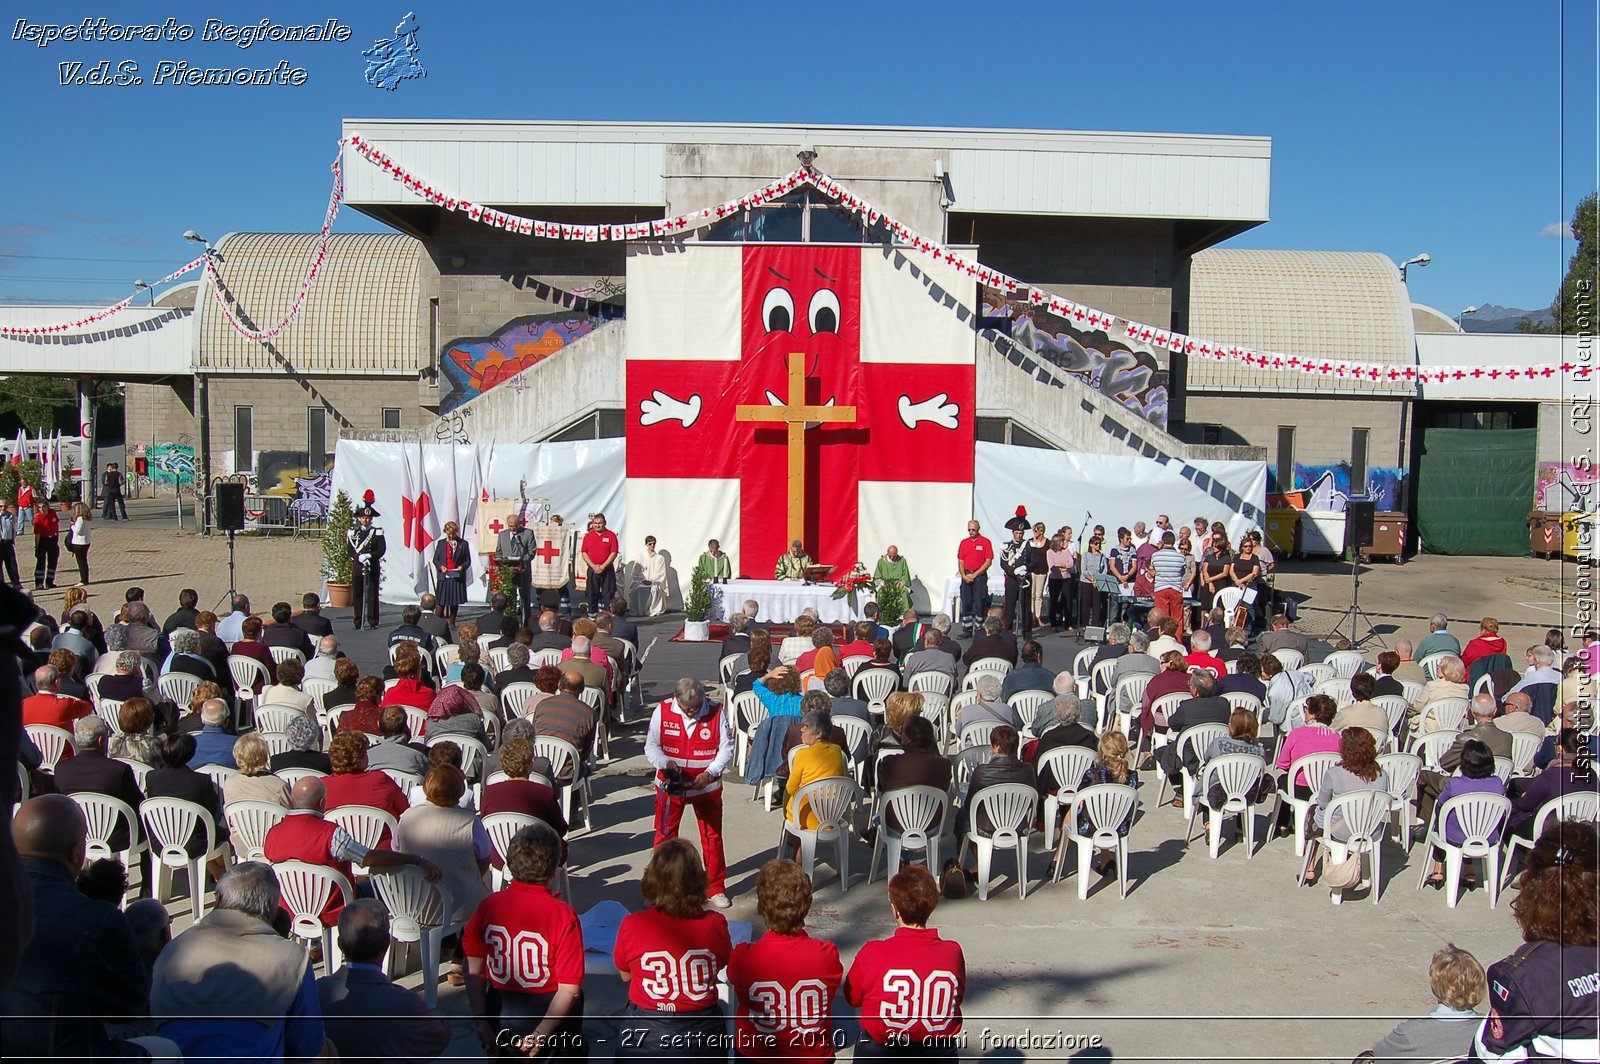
{"x": 78, "y": 540}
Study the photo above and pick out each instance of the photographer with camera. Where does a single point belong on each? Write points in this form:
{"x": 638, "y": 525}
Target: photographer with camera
{"x": 690, "y": 745}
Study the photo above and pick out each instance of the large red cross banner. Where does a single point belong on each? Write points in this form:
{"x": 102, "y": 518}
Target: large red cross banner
{"x": 824, "y": 393}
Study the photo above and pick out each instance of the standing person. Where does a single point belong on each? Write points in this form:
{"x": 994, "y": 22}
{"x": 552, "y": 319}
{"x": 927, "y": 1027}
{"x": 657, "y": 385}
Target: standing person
{"x": 46, "y": 545}
{"x": 652, "y": 578}
{"x": 717, "y": 566}
{"x": 366, "y": 545}
{"x": 512, "y": 549}
{"x": 1038, "y": 556}
{"x": 690, "y": 746}
{"x": 452, "y": 567}
{"x": 669, "y": 956}
{"x": 534, "y": 996}
{"x": 8, "y": 543}
{"x": 78, "y": 540}
{"x": 600, "y": 549}
{"x": 1014, "y": 566}
{"x": 784, "y": 982}
{"x": 1091, "y": 566}
{"x": 1168, "y": 566}
{"x": 1061, "y": 593}
{"x": 111, "y": 488}
{"x": 974, "y": 556}
{"x": 1123, "y": 563}
{"x": 909, "y": 987}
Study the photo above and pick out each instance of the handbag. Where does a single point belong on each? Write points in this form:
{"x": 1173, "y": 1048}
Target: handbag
{"x": 1343, "y": 875}
{"x": 953, "y": 882}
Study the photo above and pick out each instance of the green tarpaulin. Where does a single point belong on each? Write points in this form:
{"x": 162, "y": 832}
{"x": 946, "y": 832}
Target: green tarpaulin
{"x": 1474, "y": 490}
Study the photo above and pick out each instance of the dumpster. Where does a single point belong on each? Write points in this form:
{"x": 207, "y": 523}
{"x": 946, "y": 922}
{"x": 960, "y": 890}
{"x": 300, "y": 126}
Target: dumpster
{"x": 1544, "y": 533}
{"x": 1388, "y": 535}
{"x": 1579, "y": 541}
{"x": 1322, "y": 532}
{"x": 1283, "y": 532}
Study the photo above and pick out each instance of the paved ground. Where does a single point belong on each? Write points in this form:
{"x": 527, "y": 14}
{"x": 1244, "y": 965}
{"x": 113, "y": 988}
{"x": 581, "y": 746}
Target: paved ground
{"x": 1204, "y": 960}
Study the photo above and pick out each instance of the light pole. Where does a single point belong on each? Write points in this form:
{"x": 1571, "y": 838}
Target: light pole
{"x": 142, "y": 285}
{"x": 202, "y": 479}
{"x": 1464, "y": 312}
{"x": 1415, "y": 260}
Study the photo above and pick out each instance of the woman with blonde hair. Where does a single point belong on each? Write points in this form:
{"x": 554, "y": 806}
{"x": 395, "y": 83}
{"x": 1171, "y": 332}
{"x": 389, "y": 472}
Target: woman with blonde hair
{"x": 254, "y": 781}
{"x": 1110, "y": 766}
{"x": 452, "y": 568}
{"x": 898, "y": 709}
{"x": 78, "y": 540}
{"x": 1450, "y": 681}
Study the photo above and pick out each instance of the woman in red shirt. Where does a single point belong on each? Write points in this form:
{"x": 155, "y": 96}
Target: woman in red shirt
{"x": 352, "y": 783}
{"x": 251, "y": 646}
{"x": 669, "y": 955}
{"x": 784, "y": 983}
{"x": 409, "y": 690}
{"x": 909, "y": 986}
{"x": 524, "y": 950}
{"x": 365, "y": 716}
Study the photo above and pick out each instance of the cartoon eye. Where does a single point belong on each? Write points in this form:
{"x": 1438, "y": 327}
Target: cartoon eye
{"x": 777, "y": 310}
{"x": 824, "y": 311}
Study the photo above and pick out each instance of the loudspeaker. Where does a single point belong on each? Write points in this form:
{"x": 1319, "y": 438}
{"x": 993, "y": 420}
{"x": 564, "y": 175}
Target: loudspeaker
{"x": 230, "y": 507}
{"x": 1094, "y": 634}
{"x": 1359, "y": 515}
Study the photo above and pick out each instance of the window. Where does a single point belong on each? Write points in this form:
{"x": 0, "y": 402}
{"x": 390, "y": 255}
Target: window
{"x": 391, "y": 417}
{"x": 1285, "y": 457}
{"x": 316, "y": 438}
{"x": 1359, "y": 439}
{"x": 803, "y": 216}
{"x": 244, "y": 439}
{"x": 433, "y": 334}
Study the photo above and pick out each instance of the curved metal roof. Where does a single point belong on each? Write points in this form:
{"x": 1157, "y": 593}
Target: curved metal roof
{"x": 1318, "y": 304}
{"x": 363, "y": 316}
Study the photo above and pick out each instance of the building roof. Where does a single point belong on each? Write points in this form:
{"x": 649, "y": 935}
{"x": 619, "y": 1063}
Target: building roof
{"x": 1426, "y": 319}
{"x": 363, "y": 315}
{"x": 1011, "y": 171}
{"x": 139, "y": 341}
{"x": 1318, "y": 304}
{"x": 1501, "y": 349}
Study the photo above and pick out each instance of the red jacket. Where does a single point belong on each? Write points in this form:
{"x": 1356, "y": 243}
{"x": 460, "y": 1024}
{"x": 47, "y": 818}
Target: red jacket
{"x": 1482, "y": 647}
{"x": 372, "y": 787}
{"x": 46, "y": 522}
{"x": 306, "y": 837}
{"x": 413, "y": 693}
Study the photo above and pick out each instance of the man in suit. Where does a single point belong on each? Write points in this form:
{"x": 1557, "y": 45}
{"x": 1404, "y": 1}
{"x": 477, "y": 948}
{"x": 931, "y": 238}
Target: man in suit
{"x": 1030, "y": 675}
{"x": 283, "y": 632}
{"x": 908, "y": 637}
{"x": 93, "y": 772}
{"x": 1204, "y": 707}
{"x": 942, "y": 623}
{"x": 513, "y": 549}
{"x": 1483, "y": 729}
{"x": 184, "y": 615}
{"x": 363, "y": 1012}
{"x": 1282, "y": 637}
{"x": 738, "y": 641}
{"x": 991, "y": 644}
{"x": 310, "y": 619}
{"x": 549, "y": 637}
{"x": 1059, "y": 725}
{"x": 432, "y": 622}
{"x": 929, "y": 659}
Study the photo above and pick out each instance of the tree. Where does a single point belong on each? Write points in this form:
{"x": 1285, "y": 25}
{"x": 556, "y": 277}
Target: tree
{"x": 52, "y": 403}
{"x": 1574, "y": 307}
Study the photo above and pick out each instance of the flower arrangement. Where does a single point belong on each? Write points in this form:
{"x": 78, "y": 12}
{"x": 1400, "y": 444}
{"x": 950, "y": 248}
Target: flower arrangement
{"x": 852, "y": 584}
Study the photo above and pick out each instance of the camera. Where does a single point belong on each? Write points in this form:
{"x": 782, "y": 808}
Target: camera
{"x": 676, "y": 785}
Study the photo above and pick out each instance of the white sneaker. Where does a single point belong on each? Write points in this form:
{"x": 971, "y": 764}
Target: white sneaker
{"x": 721, "y": 901}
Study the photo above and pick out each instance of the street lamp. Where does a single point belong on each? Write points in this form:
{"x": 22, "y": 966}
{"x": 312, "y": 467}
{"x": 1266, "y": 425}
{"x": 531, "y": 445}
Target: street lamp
{"x": 1415, "y": 260}
{"x": 1464, "y": 312}
{"x": 142, "y": 285}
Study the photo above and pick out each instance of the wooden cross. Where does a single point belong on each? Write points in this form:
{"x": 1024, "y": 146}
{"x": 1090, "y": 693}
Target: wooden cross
{"x": 795, "y": 413}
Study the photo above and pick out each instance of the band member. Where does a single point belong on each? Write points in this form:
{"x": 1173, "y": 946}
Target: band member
{"x": 512, "y": 550}
{"x": 366, "y": 545}
{"x": 452, "y": 568}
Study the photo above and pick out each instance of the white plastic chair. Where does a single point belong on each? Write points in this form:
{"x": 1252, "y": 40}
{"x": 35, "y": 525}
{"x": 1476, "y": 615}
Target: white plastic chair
{"x": 1576, "y": 805}
{"x": 1394, "y": 710}
{"x": 936, "y": 711}
{"x": 416, "y": 721}
{"x": 540, "y": 658}
{"x": 1027, "y": 704}
{"x": 1480, "y": 818}
{"x": 307, "y": 889}
{"x": 732, "y": 665}
{"x": 1365, "y": 815}
{"x": 746, "y": 712}
{"x": 1318, "y": 671}
{"x": 921, "y": 813}
{"x": 502, "y": 828}
{"x": 366, "y": 824}
{"x": 1345, "y": 663}
{"x": 928, "y": 680}
{"x": 1236, "y": 774}
{"x": 1243, "y": 700}
{"x": 498, "y": 658}
{"x": 275, "y": 718}
{"x": 1009, "y": 808}
{"x": 102, "y": 813}
{"x": 245, "y": 672}
{"x": 1412, "y": 691}
{"x": 219, "y": 774}
{"x": 1430, "y": 664}
{"x": 140, "y": 772}
{"x": 985, "y": 667}
{"x": 1123, "y": 703}
{"x": 564, "y": 763}
{"x": 53, "y": 743}
{"x": 108, "y": 710}
{"x": 1228, "y": 598}
{"x": 317, "y": 688}
{"x": 1289, "y": 659}
{"x": 1106, "y": 806}
{"x": 1524, "y": 748}
{"x": 516, "y": 695}
{"x": 1315, "y": 766}
{"x": 853, "y": 663}
{"x": 1502, "y": 769}
{"x": 1081, "y": 660}
{"x": 1449, "y": 714}
{"x": 1160, "y": 712}
{"x": 1402, "y": 771}
{"x": 168, "y": 823}
{"x": 857, "y": 736}
{"x": 283, "y": 654}
{"x": 979, "y": 733}
{"x": 179, "y": 688}
{"x": 1099, "y": 679}
{"x": 1194, "y": 738}
{"x": 406, "y": 781}
{"x": 473, "y": 752}
{"x": 1431, "y": 746}
{"x": 1067, "y": 765}
{"x": 874, "y": 685}
{"x": 248, "y": 824}
{"x": 1336, "y": 688}
{"x": 419, "y": 912}
{"x": 833, "y": 802}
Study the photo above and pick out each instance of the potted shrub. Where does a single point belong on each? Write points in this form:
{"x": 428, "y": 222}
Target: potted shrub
{"x": 697, "y": 608}
{"x": 336, "y": 550}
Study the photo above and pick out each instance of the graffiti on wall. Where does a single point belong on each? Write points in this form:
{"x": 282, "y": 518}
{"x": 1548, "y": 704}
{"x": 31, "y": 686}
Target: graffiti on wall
{"x": 1132, "y": 377}
{"x": 1564, "y": 487}
{"x": 312, "y": 495}
{"x": 473, "y": 365}
{"x": 168, "y": 465}
{"x": 1327, "y": 487}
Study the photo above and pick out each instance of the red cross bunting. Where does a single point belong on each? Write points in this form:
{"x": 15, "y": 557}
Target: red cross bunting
{"x": 548, "y": 552}
{"x": 413, "y": 513}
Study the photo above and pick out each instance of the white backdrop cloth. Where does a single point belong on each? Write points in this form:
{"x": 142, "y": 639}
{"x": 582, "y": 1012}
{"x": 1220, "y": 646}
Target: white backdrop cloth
{"x": 578, "y": 478}
{"x": 783, "y": 600}
{"x": 952, "y": 591}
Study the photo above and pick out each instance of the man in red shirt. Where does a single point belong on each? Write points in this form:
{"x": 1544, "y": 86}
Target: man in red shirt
{"x": 909, "y": 987}
{"x": 524, "y": 950}
{"x": 600, "y": 549}
{"x": 49, "y": 706}
{"x": 973, "y": 557}
{"x": 784, "y": 983}
{"x": 46, "y": 545}
{"x": 1201, "y": 657}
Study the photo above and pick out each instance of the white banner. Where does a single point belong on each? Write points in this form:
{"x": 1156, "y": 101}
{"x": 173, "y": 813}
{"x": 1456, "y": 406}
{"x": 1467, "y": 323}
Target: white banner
{"x": 1115, "y": 490}
{"x": 419, "y": 487}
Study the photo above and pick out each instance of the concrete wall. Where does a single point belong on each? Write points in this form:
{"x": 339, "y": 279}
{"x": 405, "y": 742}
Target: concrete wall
{"x": 159, "y": 413}
{"x": 279, "y": 409}
{"x": 1322, "y": 426}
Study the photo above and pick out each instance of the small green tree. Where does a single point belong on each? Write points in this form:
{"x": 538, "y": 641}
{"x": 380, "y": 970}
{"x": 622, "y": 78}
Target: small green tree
{"x": 698, "y": 605}
{"x": 1574, "y": 306}
{"x": 892, "y": 598}
{"x": 335, "y": 548}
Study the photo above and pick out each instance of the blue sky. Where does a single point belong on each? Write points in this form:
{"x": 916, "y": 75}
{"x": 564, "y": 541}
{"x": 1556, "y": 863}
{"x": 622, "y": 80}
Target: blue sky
{"x": 1463, "y": 129}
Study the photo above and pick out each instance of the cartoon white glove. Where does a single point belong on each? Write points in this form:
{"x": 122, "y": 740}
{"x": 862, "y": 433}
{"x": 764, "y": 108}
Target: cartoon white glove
{"x": 663, "y": 407}
{"x": 938, "y": 410}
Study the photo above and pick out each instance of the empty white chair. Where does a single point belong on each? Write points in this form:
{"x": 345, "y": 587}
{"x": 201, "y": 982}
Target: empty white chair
{"x": 1228, "y": 599}
{"x": 248, "y": 824}
{"x": 1402, "y": 771}
{"x": 747, "y": 712}
{"x": 102, "y": 814}
{"x": 1345, "y": 663}
{"x": 307, "y": 889}
{"x": 419, "y": 912}
{"x": 53, "y": 743}
{"x": 502, "y": 828}
{"x": 1431, "y": 746}
{"x": 921, "y": 813}
{"x": 1009, "y": 808}
{"x": 283, "y": 654}
{"x": 1365, "y": 816}
{"x": 1290, "y": 659}
{"x": 1480, "y": 818}
{"x": 1236, "y": 774}
{"x": 1106, "y": 806}
{"x": 1578, "y": 805}
{"x": 168, "y": 823}
{"x": 875, "y": 685}
{"x": 1314, "y": 767}
{"x": 833, "y": 802}
{"x": 937, "y": 682}
{"x": 1067, "y": 766}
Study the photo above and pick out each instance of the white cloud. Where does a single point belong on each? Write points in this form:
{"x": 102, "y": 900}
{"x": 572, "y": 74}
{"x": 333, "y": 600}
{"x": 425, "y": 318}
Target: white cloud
{"x": 1557, "y": 229}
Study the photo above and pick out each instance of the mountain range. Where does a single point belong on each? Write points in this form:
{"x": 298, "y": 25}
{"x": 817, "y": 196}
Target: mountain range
{"x": 1491, "y": 318}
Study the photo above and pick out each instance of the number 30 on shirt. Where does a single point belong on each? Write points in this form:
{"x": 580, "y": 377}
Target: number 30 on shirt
{"x": 775, "y": 1008}
{"x": 667, "y": 976}
{"x": 522, "y": 959}
{"x": 913, "y": 998}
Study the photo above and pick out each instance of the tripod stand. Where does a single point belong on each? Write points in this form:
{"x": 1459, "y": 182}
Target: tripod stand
{"x": 233, "y": 582}
{"x": 1355, "y": 615}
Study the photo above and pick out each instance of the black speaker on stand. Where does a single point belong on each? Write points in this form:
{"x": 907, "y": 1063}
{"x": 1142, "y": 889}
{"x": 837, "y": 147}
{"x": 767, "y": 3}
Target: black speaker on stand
{"x": 1360, "y": 515}
{"x": 230, "y": 519}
